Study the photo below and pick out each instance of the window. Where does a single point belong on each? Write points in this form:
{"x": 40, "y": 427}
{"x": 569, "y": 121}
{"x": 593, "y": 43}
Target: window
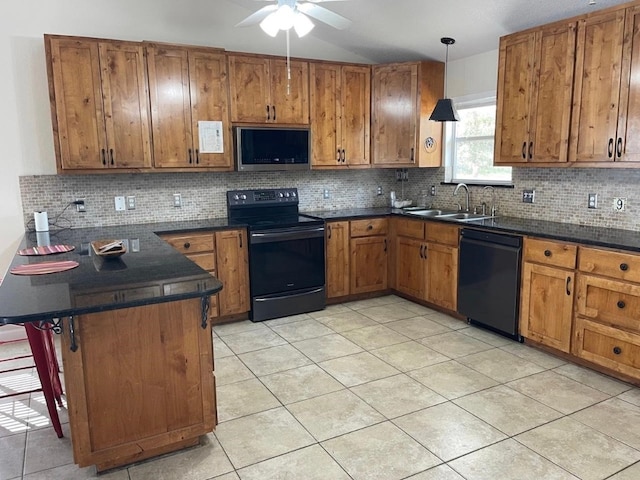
{"x": 469, "y": 143}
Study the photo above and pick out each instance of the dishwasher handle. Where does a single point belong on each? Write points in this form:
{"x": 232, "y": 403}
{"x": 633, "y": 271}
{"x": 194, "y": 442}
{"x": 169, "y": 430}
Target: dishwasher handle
{"x": 490, "y": 237}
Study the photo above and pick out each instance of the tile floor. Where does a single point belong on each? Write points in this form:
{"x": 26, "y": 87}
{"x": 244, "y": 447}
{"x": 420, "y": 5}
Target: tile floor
{"x": 376, "y": 389}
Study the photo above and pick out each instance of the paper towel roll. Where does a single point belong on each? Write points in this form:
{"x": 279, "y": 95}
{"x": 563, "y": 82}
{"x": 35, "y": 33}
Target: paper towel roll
{"x": 42, "y": 221}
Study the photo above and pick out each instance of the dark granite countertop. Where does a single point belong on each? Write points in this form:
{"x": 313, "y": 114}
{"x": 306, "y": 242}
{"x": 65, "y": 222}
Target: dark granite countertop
{"x": 588, "y": 235}
{"x": 150, "y": 272}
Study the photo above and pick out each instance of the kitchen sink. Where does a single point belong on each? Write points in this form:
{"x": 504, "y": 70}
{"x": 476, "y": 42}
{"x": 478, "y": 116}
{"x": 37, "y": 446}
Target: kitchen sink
{"x": 427, "y": 212}
{"x": 462, "y": 216}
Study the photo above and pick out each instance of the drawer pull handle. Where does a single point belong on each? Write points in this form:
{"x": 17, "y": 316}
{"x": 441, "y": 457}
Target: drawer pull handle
{"x": 624, "y": 267}
{"x": 617, "y": 350}
{"x": 610, "y": 148}
{"x": 621, "y": 304}
{"x": 422, "y": 252}
{"x": 567, "y": 286}
{"x": 547, "y": 253}
{"x": 187, "y": 245}
{"x": 328, "y": 231}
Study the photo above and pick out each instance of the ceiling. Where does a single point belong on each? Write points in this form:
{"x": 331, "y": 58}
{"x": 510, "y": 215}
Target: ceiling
{"x": 404, "y": 30}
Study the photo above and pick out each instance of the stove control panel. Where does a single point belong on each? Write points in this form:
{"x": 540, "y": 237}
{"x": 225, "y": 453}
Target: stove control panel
{"x": 263, "y": 197}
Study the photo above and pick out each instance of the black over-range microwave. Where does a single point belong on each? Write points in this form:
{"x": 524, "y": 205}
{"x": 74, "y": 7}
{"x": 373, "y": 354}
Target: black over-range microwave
{"x": 260, "y": 149}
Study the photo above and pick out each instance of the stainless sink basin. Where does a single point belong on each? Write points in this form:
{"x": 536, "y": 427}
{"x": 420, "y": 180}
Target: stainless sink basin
{"x": 432, "y": 212}
{"x": 462, "y": 216}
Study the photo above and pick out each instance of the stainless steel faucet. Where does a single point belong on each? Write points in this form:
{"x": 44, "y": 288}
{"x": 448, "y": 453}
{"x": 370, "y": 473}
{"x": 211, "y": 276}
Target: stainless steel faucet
{"x": 455, "y": 192}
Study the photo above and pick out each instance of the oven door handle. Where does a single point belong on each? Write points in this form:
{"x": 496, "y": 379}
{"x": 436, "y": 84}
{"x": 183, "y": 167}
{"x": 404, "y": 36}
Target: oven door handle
{"x": 284, "y": 235}
{"x": 293, "y": 295}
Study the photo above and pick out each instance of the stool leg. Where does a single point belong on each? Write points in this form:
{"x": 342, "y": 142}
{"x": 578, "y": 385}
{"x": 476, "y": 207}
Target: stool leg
{"x": 36, "y": 342}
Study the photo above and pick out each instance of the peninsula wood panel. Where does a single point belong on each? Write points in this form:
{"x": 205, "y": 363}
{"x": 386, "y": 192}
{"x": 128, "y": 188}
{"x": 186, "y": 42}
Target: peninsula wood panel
{"x": 338, "y": 261}
{"x": 597, "y": 89}
{"x": 147, "y": 388}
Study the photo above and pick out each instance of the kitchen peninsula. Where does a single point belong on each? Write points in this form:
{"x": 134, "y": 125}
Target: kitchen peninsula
{"x": 136, "y": 341}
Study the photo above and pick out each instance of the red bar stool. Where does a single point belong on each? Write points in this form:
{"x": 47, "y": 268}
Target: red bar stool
{"x": 44, "y": 356}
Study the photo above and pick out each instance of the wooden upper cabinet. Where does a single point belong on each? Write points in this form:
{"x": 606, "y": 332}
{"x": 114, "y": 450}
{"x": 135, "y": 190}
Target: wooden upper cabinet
{"x": 99, "y": 104}
{"x": 628, "y": 144}
{"x": 187, "y": 87}
{"x": 340, "y": 98}
{"x": 535, "y": 83}
{"x": 262, "y": 92}
{"x": 403, "y": 97}
{"x": 597, "y": 87}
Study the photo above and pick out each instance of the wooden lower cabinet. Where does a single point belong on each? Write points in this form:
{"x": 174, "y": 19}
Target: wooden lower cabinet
{"x": 141, "y": 382}
{"x": 368, "y": 264}
{"x": 442, "y": 275}
{"x": 546, "y": 305}
{"x": 337, "y": 259}
{"x": 225, "y": 255}
{"x": 607, "y": 346}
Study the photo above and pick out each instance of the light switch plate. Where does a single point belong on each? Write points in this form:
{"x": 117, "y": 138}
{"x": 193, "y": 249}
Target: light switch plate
{"x": 120, "y": 205}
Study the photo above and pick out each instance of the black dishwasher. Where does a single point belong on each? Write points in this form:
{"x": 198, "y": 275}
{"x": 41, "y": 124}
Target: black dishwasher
{"x": 489, "y": 280}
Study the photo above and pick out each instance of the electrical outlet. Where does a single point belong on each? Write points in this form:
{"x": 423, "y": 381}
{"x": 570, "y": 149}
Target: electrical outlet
{"x": 80, "y": 207}
{"x": 177, "y": 200}
{"x": 433, "y": 190}
{"x": 135, "y": 244}
{"x": 619, "y": 204}
{"x": 131, "y": 202}
{"x": 379, "y": 191}
{"x": 325, "y": 193}
{"x": 120, "y": 205}
{"x": 528, "y": 196}
{"x": 593, "y": 200}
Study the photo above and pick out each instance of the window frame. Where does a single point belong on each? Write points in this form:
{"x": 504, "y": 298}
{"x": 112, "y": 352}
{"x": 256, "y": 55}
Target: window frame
{"x": 449, "y": 151}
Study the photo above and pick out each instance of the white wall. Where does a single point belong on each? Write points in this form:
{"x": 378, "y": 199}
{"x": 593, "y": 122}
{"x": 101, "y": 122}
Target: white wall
{"x": 476, "y": 74}
{"x": 27, "y": 141}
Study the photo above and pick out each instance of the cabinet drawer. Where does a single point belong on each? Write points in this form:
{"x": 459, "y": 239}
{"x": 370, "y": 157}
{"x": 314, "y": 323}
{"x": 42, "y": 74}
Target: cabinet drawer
{"x": 371, "y": 226}
{"x": 625, "y": 266}
{"x": 441, "y": 233}
{"x": 609, "y": 301}
{"x": 550, "y": 253}
{"x": 607, "y": 346}
{"x": 206, "y": 261}
{"x": 410, "y": 228}
{"x": 202, "y": 242}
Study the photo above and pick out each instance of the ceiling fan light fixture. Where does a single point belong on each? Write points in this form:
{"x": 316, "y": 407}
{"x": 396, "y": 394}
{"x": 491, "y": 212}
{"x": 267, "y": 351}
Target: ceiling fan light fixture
{"x": 444, "y": 110}
{"x": 270, "y": 25}
{"x": 302, "y": 24}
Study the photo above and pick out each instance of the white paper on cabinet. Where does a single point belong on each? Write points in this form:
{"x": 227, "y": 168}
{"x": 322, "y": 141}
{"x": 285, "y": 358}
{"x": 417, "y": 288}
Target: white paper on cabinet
{"x": 210, "y": 137}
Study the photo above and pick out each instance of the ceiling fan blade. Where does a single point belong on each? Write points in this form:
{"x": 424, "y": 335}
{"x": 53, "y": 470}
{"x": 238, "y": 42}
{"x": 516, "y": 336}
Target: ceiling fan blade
{"x": 258, "y": 16}
{"x": 324, "y": 15}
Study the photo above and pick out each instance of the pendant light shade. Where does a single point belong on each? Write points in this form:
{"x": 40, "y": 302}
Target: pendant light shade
{"x": 445, "y": 110}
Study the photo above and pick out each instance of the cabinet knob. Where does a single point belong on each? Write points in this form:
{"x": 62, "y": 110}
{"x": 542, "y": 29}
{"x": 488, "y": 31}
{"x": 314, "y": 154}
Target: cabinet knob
{"x": 624, "y": 267}
{"x": 617, "y": 350}
{"x": 369, "y": 227}
{"x": 187, "y": 245}
{"x": 547, "y": 253}
{"x": 621, "y": 304}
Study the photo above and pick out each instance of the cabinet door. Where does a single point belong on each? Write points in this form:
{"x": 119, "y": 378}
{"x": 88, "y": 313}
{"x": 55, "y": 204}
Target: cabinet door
{"x": 628, "y": 143}
{"x": 289, "y": 93}
{"x": 515, "y": 77}
{"x": 442, "y": 275}
{"x": 552, "y": 93}
{"x": 170, "y": 107}
{"x": 233, "y": 271}
{"x": 126, "y": 104}
{"x": 249, "y": 87}
{"x": 210, "y": 101}
{"x": 79, "y": 114}
{"x": 546, "y": 305}
{"x": 337, "y": 259}
{"x": 368, "y": 264}
{"x": 326, "y": 108}
{"x": 355, "y": 121}
{"x": 159, "y": 390}
{"x": 394, "y": 111}
{"x": 597, "y": 87}
{"x": 410, "y": 266}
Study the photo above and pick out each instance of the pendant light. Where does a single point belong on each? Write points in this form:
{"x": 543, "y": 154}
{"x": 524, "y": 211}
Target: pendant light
{"x": 444, "y": 110}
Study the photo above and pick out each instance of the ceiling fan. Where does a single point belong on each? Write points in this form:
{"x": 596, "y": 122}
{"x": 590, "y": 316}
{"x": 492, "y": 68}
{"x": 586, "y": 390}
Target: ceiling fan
{"x": 286, "y": 14}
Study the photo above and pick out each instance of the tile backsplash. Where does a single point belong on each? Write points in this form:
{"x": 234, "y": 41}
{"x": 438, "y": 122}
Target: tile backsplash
{"x": 561, "y": 194}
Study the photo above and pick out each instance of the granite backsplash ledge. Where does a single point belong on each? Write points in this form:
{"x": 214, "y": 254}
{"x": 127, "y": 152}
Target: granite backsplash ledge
{"x": 561, "y": 194}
